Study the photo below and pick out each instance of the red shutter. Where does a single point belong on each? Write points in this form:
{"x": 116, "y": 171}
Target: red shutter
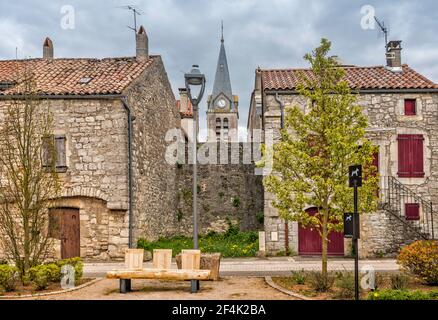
{"x": 417, "y": 156}
{"x": 412, "y": 211}
{"x": 410, "y": 156}
{"x": 403, "y": 155}
{"x": 410, "y": 107}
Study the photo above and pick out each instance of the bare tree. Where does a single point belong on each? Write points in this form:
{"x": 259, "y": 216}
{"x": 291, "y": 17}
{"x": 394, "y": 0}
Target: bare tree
{"x": 28, "y": 179}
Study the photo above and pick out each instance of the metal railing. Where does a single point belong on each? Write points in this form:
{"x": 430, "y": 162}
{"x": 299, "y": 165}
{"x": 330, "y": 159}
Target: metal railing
{"x": 395, "y": 196}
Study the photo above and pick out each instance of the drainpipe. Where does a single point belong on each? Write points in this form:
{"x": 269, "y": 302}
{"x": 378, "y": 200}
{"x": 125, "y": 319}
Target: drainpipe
{"x": 286, "y": 225}
{"x": 130, "y": 182}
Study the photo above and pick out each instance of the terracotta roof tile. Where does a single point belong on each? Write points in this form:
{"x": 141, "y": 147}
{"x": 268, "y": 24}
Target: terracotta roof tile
{"x": 358, "y": 78}
{"x": 68, "y": 76}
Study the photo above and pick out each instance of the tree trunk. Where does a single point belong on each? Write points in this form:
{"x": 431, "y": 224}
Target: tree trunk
{"x": 324, "y": 237}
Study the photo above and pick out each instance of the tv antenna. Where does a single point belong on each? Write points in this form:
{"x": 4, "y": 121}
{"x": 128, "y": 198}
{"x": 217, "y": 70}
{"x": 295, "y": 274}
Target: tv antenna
{"x": 136, "y": 12}
{"x": 383, "y": 29}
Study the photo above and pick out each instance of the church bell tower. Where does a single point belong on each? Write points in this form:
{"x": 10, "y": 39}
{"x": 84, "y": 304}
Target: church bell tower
{"x": 222, "y": 112}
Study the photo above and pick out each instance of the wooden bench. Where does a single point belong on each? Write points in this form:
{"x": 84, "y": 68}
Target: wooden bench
{"x": 161, "y": 268}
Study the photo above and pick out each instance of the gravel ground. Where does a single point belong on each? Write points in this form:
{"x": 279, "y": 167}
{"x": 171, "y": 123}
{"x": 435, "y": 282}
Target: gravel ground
{"x": 228, "y": 288}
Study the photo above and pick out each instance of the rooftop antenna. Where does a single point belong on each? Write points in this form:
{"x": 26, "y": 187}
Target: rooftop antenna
{"x": 383, "y": 29}
{"x": 136, "y": 12}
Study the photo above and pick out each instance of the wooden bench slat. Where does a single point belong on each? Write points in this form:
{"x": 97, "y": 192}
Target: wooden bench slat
{"x": 160, "y": 274}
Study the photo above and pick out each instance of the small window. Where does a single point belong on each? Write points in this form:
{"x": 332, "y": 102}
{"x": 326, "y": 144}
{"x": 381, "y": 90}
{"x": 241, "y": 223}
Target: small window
{"x": 412, "y": 211}
{"x": 410, "y": 107}
{"x": 54, "y": 146}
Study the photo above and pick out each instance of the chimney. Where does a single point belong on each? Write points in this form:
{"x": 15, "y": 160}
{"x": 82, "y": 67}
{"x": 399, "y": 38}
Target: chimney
{"x": 184, "y": 100}
{"x": 393, "y": 56}
{"x": 48, "y": 49}
{"x": 142, "y": 45}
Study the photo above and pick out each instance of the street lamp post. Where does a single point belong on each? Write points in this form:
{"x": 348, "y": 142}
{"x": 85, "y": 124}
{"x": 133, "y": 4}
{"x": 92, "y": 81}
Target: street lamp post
{"x": 195, "y": 79}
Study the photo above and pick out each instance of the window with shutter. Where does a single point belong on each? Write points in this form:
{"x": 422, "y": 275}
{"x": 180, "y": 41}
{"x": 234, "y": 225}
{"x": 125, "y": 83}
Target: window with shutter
{"x": 410, "y": 156}
{"x": 61, "y": 158}
{"x": 410, "y": 107}
{"x": 46, "y": 149}
{"x": 412, "y": 211}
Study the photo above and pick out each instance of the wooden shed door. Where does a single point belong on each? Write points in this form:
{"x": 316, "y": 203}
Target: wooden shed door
{"x": 310, "y": 243}
{"x": 70, "y": 233}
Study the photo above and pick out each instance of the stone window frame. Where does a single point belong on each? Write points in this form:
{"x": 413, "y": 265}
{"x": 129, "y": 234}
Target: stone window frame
{"x": 427, "y": 156}
{"x": 400, "y": 109}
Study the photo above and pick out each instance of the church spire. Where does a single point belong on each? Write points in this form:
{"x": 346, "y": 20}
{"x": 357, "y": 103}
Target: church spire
{"x": 222, "y": 30}
{"x": 222, "y": 82}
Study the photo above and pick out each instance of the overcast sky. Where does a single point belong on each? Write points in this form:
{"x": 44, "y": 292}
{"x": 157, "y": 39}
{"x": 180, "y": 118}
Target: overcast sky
{"x": 270, "y": 34}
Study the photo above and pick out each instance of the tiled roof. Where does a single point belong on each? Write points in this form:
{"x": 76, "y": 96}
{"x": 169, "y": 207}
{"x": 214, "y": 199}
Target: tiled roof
{"x": 74, "y": 76}
{"x": 359, "y": 78}
{"x": 188, "y": 113}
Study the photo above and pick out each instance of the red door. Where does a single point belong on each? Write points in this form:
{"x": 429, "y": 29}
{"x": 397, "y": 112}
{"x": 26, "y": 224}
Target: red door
{"x": 310, "y": 243}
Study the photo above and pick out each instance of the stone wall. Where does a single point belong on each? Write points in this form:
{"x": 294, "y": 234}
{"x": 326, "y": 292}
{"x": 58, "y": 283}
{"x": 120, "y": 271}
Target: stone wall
{"x": 226, "y": 192}
{"x": 154, "y": 108}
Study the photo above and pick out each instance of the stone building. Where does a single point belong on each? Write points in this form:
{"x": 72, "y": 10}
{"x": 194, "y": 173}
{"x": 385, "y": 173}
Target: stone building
{"x": 402, "y": 108}
{"x": 111, "y": 117}
{"x": 222, "y": 112}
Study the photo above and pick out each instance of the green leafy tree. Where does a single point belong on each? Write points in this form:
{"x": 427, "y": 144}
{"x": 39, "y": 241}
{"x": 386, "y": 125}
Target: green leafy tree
{"x": 317, "y": 146}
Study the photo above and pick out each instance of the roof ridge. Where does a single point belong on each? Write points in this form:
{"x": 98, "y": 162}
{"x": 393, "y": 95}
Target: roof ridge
{"x": 75, "y": 59}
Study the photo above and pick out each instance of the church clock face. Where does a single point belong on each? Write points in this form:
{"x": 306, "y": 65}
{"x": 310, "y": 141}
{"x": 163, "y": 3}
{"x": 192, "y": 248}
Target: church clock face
{"x": 221, "y": 103}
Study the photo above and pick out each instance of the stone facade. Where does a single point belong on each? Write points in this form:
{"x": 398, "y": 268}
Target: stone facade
{"x": 227, "y": 192}
{"x": 96, "y": 179}
{"x": 381, "y": 234}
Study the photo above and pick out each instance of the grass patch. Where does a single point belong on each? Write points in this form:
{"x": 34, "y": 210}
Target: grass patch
{"x": 232, "y": 243}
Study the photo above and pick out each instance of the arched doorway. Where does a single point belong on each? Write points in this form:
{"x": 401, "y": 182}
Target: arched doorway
{"x": 310, "y": 243}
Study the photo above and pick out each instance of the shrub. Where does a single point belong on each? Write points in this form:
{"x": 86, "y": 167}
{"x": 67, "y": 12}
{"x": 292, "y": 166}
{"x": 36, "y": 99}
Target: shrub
{"x": 43, "y": 274}
{"x": 345, "y": 282}
{"x": 8, "y": 277}
{"x": 421, "y": 259}
{"x": 399, "y": 281}
{"x": 260, "y": 216}
{"x": 236, "y": 202}
{"x": 299, "y": 277}
{"x": 319, "y": 283}
{"x": 76, "y": 263}
{"x": 403, "y": 295}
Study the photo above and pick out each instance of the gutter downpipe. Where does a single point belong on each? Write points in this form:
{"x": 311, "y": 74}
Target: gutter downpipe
{"x": 130, "y": 182}
{"x": 286, "y": 225}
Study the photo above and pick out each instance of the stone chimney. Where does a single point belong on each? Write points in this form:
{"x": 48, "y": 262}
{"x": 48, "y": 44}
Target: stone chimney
{"x": 48, "y": 49}
{"x": 393, "y": 56}
{"x": 184, "y": 101}
{"x": 142, "y": 45}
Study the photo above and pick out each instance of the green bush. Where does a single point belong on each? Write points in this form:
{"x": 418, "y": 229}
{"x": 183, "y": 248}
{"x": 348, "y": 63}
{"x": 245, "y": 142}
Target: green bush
{"x": 399, "y": 281}
{"x": 403, "y": 295}
{"x": 236, "y": 202}
{"x": 319, "y": 283}
{"x": 421, "y": 259}
{"x": 346, "y": 285}
{"x": 8, "y": 277}
{"x": 299, "y": 277}
{"x": 76, "y": 263}
{"x": 43, "y": 274}
{"x": 260, "y": 216}
{"x": 232, "y": 243}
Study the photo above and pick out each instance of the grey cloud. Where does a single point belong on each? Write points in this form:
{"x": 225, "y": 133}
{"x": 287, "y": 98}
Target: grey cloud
{"x": 270, "y": 34}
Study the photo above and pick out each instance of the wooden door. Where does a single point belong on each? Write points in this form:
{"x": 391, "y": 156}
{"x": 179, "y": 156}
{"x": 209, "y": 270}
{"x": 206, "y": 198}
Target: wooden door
{"x": 310, "y": 243}
{"x": 70, "y": 233}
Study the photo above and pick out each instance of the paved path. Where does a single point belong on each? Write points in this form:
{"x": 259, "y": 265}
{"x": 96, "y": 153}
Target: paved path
{"x": 262, "y": 267}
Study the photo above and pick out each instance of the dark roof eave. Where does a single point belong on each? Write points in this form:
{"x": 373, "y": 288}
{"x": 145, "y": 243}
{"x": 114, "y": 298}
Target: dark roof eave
{"x": 65, "y": 96}
{"x": 363, "y": 91}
